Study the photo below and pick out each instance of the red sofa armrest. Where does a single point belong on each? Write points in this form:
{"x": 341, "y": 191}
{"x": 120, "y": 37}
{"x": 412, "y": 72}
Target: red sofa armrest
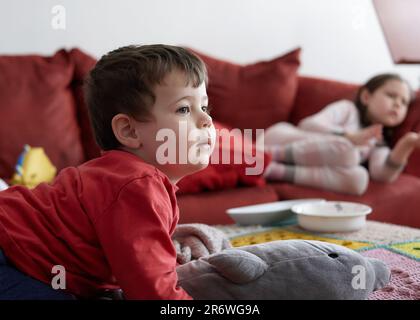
{"x": 411, "y": 123}
{"x": 413, "y": 165}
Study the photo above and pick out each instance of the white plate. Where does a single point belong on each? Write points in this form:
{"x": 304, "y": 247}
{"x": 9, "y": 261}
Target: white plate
{"x": 332, "y": 216}
{"x": 266, "y": 213}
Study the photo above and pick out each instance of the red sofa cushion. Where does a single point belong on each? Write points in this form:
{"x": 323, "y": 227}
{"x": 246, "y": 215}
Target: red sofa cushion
{"x": 83, "y": 63}
{"x": 38, "y": 108}
{"x": 255, "y": 95}
{"x": 219, "y": 176}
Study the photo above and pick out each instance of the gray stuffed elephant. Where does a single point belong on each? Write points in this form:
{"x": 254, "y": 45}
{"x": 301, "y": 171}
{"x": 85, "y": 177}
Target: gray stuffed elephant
{"x": 288, "y": 269}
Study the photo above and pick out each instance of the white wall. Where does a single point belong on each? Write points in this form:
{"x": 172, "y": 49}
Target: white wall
{"x": 341, "y": 39}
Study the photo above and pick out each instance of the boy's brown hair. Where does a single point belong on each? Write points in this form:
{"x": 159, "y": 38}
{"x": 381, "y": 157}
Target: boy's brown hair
{"x": 123, "y": 80}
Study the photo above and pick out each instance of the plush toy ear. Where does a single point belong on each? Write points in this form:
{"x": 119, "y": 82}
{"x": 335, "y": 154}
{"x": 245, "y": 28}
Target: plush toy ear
{"x": 238, "y": 266}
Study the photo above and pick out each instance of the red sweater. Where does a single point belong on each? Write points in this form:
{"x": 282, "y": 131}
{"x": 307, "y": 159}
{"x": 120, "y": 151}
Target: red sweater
{"x": 108, "y": 222}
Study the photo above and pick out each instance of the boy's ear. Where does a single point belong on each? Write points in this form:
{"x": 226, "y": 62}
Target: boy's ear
{"x": 125, "y": 131}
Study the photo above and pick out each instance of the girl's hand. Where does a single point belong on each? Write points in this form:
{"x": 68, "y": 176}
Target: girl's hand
{"x": 404, "y": 147}
{"x": 363, "y": 136}
{"x": 410, "y": 140}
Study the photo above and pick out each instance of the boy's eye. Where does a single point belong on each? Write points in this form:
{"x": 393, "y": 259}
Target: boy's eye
{"x": 206, "y": 109}
{"x": 183, "y": 110}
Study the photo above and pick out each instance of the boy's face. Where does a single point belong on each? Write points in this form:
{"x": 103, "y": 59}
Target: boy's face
{"x": 181, "y": 137}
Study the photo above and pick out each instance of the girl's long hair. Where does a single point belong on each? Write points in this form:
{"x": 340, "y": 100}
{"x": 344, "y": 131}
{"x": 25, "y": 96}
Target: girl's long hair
{"x": 372, "y": 85}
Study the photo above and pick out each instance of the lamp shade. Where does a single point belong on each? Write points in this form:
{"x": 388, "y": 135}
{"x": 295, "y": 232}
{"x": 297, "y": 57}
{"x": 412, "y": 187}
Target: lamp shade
{"x": 400, "y": 22}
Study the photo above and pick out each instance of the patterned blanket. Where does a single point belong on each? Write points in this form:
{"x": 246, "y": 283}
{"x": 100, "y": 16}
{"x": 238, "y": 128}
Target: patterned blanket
{"x": 397, "y": 246}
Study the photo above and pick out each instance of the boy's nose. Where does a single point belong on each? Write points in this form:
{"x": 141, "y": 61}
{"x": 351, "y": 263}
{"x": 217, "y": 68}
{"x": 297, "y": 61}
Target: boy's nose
{"x": 205, "y": 121}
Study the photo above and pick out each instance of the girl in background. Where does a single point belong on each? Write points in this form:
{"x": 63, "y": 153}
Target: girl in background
{"x": 327, "y": 149}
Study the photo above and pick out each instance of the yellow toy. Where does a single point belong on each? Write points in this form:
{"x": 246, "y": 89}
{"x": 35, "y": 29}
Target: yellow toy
{"x": 33, "y": 167}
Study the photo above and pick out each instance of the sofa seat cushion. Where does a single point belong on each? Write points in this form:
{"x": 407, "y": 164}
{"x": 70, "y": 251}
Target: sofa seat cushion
{"x": 210, "y": 207}
{"x": 395, "y": 202}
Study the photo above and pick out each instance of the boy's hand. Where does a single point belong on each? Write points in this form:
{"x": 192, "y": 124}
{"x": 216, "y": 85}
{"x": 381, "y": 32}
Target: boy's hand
{"x": 363, "y": 136}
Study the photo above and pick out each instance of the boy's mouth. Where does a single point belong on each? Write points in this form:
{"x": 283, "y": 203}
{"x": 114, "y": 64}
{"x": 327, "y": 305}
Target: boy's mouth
{"x": 204, "y": 142}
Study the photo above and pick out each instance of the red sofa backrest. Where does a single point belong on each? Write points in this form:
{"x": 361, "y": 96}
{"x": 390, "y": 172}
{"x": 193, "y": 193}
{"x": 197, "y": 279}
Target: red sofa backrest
{"x": 314, "y": 94}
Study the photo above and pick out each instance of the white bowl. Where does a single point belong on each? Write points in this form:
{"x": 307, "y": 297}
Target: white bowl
{"x": 332, "y": 216}
{"x": 266, "y": 213}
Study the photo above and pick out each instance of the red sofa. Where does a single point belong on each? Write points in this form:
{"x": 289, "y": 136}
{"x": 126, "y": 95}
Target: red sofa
{"x": 41, "y": 103}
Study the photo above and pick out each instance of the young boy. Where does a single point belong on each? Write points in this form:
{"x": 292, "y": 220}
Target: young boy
{"x": 109, "y": 222}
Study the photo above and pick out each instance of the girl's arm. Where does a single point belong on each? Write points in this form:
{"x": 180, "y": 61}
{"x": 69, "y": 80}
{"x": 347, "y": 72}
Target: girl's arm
{"x": 385, "y": 165}
{"x": 381, "y": 168}
{"x": 342, "y": 118}
{"x": 404, "y": 147}
{"x": 335, "y": 118}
